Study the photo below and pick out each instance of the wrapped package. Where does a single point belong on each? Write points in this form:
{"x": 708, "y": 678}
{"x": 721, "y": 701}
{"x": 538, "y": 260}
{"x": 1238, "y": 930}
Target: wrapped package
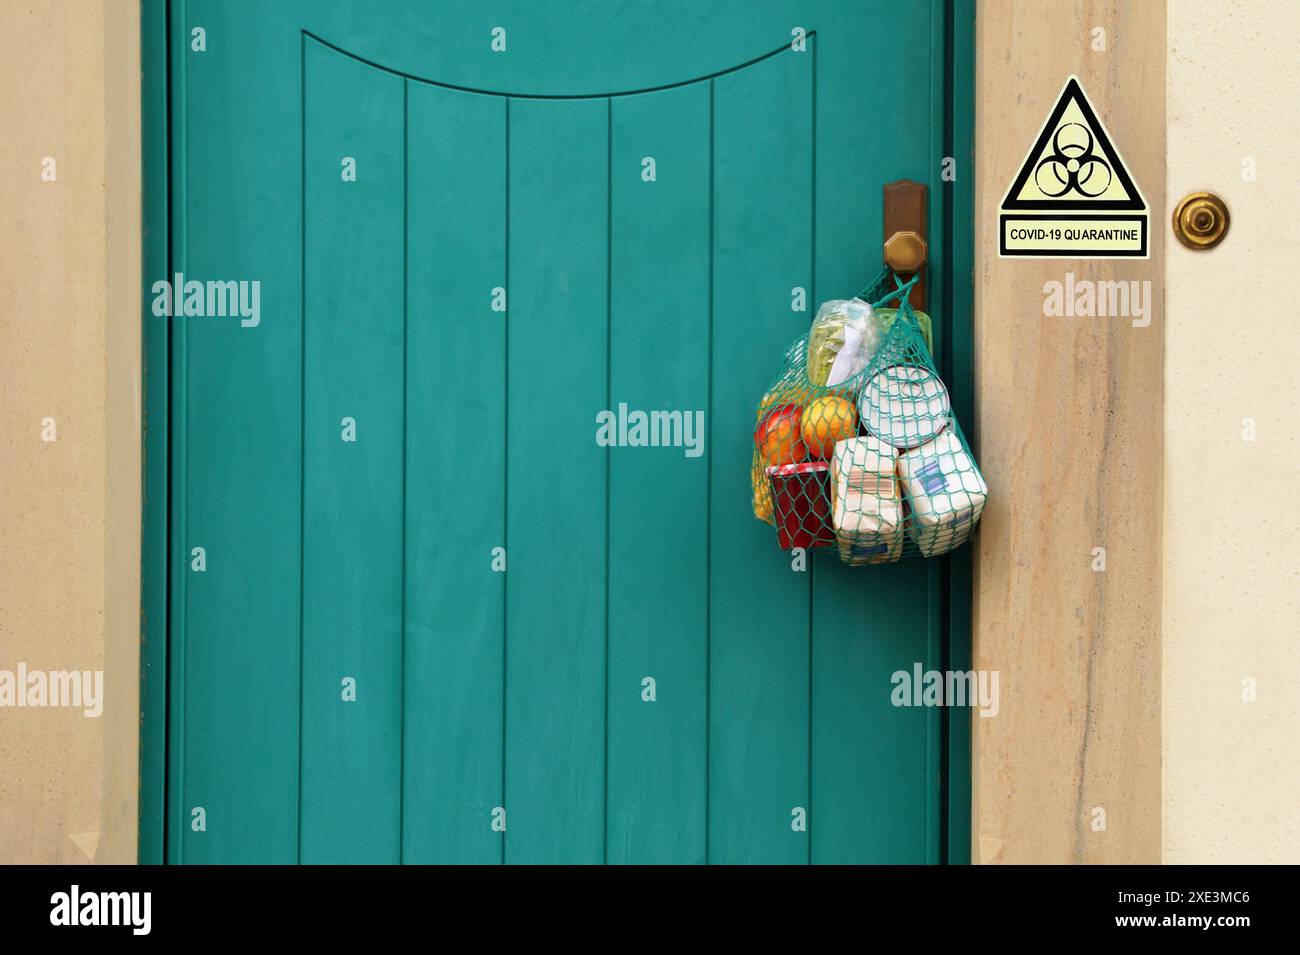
{"x": 842, "y": 341}
{"x": 867, "y": 512}
{"x": 904, "y": 405}
{"x": 945, "y": 492}
{"x": 801, "y": 498}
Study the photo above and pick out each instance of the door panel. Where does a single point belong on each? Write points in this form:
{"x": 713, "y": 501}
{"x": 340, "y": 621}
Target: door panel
{"x": 557, "y": 343}
{"x": 562, "y": 651}
{"x": 658, "y": 497}
{"x": 455, "y": 474}
{"x": 353, "y": 351}
{"x": 235, "y": 418}
{"x": 871, "y": 773}
{"x": 758, "y": 623}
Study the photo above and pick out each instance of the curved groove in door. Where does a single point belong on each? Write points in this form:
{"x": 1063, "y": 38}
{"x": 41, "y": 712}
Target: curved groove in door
{"x": 574, "y": 96}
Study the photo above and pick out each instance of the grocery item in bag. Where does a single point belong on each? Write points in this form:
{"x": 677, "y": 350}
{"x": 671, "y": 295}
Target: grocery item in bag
{"x": 801, "y": 496}
{"x": 825, "y": 421}
{"x": 867, "y": 513}
{"x": 884, "y": 318}
{"x": 842, "y": 341}
{"x": 762, "y": 491}
{"x": 779, "y": 437}
{"x": 905, "y": 405}
{"x": 945, "y": 492}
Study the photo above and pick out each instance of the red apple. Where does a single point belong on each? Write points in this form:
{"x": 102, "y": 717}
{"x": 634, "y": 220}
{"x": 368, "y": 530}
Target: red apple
{"x": 779, "y": 438}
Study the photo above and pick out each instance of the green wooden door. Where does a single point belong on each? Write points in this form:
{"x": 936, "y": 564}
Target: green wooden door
{"x": 414, "y": 610}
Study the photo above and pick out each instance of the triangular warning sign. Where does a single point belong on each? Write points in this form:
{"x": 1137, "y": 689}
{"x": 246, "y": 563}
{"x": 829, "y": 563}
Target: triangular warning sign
{"x": 1073, "y": 164}
{"x": 1070, "y": 194}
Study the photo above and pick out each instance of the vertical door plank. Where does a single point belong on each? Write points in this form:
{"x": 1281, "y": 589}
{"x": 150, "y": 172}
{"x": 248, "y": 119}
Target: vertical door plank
{"x": 234, "y": 709}
{"x": 556, "y": 476}
{"x": 658, "y": 506}
{"x": 874, "y": 765}
{"x": 178, "y": 623}
{"x": 759, "y": 606}
{"x": 960, "y": 370}
{"x": 870, "y": 758}
{"x": 352, "y": 506}
{"x": 455, "y": 475}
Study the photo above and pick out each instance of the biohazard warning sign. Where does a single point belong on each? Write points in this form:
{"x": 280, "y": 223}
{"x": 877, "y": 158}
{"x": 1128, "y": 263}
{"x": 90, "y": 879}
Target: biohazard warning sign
{"x": 1073, "y": 197}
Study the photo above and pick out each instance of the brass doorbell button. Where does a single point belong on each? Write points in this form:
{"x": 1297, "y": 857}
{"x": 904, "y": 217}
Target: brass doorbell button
{"x": 1201, "y": 220}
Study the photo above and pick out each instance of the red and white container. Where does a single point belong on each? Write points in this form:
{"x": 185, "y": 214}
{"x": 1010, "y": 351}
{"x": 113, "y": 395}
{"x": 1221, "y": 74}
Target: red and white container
{"x": 802, "y": 503}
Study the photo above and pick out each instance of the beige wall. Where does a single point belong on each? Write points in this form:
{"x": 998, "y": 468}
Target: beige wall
{"x": 1232, "y": 549}
{"x": 70, "y": 350}
{"x": 1069, "y": 416}
{"x": 1130, "y": 690}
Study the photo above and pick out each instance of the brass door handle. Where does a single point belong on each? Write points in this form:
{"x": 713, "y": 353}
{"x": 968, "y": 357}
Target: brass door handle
{"x": 905, "y": 251}
{"x": 905, "y": 222}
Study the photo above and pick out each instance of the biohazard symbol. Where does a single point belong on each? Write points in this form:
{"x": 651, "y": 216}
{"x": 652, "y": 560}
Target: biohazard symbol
{"x": 1072, "y": 165}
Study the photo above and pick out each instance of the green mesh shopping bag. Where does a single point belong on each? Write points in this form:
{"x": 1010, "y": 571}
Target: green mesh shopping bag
{"x": 856, "y": 445}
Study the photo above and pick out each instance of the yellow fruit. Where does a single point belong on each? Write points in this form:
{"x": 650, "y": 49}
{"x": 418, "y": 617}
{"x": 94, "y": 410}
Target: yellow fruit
{"x": 825, "y": 421}
{"x": 762, "y": 492}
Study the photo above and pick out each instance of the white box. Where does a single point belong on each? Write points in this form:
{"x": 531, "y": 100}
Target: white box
{"x": 945, "y": 492}
{"x": 867, "y": 511}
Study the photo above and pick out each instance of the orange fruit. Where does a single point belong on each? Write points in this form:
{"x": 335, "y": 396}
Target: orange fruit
{"x": 825, "y": 421}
